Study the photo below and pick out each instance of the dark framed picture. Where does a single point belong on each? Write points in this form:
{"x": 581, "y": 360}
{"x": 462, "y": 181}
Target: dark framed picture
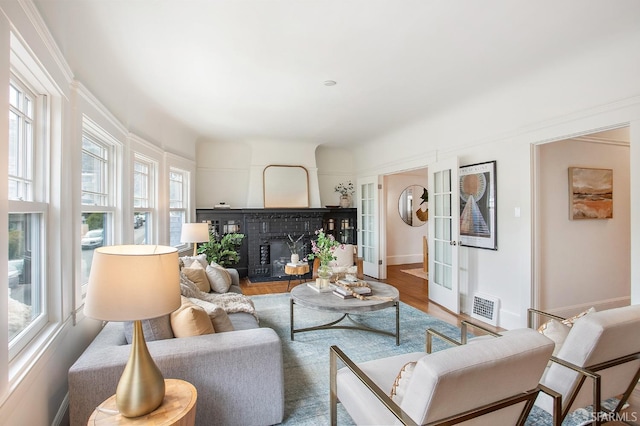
{"x": 478, "y": 205}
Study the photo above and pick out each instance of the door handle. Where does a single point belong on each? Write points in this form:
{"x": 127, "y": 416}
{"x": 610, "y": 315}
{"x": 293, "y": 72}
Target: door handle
{"x": 452, "y": 243}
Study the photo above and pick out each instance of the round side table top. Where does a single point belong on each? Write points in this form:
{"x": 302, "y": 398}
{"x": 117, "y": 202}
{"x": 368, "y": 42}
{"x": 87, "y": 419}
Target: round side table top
{"x": 178, "y": 408}
{"x": 300, "y": 269}
{"x": 384, "y": 296}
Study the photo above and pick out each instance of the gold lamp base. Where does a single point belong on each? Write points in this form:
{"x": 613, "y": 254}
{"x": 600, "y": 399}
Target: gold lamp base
{"x": 141, "y": 386}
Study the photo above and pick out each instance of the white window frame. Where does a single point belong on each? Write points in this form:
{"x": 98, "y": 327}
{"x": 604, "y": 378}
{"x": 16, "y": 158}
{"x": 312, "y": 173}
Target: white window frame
{"x": 34, "y": 202}
{"x": 184, "y": 201}
{"x": 25, "y": 67}
{"x": 112, "y": 193}
{"x": 150, "y": 201}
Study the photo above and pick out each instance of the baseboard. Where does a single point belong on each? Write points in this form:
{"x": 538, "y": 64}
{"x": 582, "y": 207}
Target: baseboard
{"x": 404, "y": 259}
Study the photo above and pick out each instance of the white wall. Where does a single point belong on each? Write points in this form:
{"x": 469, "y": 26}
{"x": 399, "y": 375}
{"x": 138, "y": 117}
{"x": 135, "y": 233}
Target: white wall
{"x": 335, "y": 165}
{"x": 582, "y": 94}
{"x": 404, "y": 242}
{"x": 231, "y": 172}
{"x": 583, "y": 263}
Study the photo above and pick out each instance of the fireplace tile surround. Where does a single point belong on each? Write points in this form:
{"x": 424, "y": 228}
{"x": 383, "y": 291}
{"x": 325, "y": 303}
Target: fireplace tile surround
{"x": 264, "y": 251}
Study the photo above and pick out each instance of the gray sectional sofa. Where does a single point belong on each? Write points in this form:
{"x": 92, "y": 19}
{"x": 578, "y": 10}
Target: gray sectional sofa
{"x": 238, "y": 374}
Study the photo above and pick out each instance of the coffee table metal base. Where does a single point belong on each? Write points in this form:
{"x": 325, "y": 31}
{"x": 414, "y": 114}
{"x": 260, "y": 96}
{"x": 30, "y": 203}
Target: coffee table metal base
{"x": 356, "y": 325}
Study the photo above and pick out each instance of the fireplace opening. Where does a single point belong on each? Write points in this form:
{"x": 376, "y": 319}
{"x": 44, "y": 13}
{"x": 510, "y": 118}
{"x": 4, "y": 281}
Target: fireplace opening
{"x": 280, "y": 256}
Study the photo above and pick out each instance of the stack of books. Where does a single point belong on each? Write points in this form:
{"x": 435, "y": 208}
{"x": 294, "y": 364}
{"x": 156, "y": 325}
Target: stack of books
{"x": 347, "y": 293}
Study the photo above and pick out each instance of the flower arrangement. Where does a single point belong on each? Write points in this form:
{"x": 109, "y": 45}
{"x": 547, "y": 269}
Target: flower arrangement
{"x": 293, "y": 244}
{"x": 323, "y": 247}
{"x": 345, "y": 189}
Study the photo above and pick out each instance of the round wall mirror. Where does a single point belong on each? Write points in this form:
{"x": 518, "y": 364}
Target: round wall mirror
{"x": 412, "y": 206}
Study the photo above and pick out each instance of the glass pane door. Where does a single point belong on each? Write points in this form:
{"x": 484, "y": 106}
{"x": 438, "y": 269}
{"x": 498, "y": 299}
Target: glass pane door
{"x": 443, "y": 234}
{"x": 368, "y": 225}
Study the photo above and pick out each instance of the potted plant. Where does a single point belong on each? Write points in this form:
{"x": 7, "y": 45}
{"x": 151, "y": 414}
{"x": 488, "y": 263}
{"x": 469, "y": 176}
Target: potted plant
{"x": 294, "y": 247}
{"x": 222, "y": 250}
{"x": 346, "y": 191}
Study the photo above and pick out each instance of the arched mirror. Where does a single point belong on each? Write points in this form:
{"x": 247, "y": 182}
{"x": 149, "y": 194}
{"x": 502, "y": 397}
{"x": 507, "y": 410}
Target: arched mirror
{"x": 412, "y": 205}
{"x": 285, "y": 186}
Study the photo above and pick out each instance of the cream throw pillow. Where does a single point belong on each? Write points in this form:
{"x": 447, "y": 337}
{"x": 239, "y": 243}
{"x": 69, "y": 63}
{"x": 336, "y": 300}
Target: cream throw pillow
{"x": 197, "y": 274}
{"x": 190, "y": 320}
{"x": 219, "y": 278}
{"x": 569, "y": 321}
{"x": 556, "y": 331}
{"x": 219, "y": 317}
{"x": 200, "y": 258}
{"x": 401, "y": 382}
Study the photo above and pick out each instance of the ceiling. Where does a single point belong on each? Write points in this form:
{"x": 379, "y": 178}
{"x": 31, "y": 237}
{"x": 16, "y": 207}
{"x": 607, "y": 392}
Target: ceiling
{"x": 255, "y": 69}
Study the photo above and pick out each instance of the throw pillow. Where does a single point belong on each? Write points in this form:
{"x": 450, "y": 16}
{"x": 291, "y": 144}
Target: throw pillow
{"x": 219, "y": 278}
{"x": 197, "y": 274}
{"x": 219, "y": 317}
{"x": 187, "y": 287}
{"x": 556, "y": 331}
{"x": 569, "y": 321}
{"x": 401, "y": 382}
{"x": 153, "y": 329}
{"x": 188, "y": 260}
{"x": 190, "y": 320}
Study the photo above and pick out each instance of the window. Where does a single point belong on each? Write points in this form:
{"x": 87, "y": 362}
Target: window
{"x": 143, "y": 199}
{"x": 98, "y": 197}
{"x": 178, "y": 203}
{"x": 28, "y": 208}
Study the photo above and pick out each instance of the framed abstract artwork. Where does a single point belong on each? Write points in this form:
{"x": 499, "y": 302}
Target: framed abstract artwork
{"x": 590, "y": 193}
{"x": 478, "y": 202}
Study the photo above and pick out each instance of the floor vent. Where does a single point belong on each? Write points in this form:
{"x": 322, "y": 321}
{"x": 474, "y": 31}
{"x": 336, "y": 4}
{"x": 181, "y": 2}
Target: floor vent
{"x": 485, "y": 308}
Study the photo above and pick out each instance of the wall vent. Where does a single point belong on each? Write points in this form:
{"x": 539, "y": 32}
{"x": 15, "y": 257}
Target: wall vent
{"x": 485, "y": 308}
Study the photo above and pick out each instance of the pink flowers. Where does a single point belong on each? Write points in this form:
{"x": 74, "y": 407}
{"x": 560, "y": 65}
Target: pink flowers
{"x": 323, "y": 247}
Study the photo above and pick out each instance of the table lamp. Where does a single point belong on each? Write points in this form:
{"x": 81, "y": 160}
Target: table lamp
{"x": 132, "y": 283}
{"x": 195, "y": 233}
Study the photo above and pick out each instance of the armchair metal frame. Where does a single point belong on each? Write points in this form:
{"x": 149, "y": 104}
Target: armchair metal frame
{"x": 336, "y": 354}
{"x": 587, "y": 372}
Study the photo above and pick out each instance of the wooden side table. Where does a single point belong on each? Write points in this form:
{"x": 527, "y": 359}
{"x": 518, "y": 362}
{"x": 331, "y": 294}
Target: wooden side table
{"x": 178, "y": 408}
{"x": 296, "y": 270}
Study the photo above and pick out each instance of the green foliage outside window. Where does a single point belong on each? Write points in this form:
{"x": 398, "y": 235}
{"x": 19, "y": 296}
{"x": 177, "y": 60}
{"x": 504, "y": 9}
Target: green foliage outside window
{"x": 95, "y": 221}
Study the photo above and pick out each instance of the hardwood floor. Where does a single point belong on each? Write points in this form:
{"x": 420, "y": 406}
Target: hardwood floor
{"x": 414, "y": 292}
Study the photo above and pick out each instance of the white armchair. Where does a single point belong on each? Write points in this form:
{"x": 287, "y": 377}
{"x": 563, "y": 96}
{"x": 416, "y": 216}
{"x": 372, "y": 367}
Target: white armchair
{"x": 346, "y": 262}
{"x": 601, "y": 349}
{"x": 492, "y": 381}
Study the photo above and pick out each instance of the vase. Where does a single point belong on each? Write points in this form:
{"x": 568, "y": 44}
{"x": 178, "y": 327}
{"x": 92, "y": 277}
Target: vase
{"x": 345, "y": 201}
{"x": 324, "y": 274}
{"x": 295, "y": 258}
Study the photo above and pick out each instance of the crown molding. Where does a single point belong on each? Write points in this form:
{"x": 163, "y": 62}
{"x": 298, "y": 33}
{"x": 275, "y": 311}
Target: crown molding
{"x": 49, "y": 42}
{"x": 99, "y": 106}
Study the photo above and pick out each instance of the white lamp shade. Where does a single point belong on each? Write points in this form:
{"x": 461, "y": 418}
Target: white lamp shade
{"x": 133, "y": 282}
{"x": 194, "y": 233}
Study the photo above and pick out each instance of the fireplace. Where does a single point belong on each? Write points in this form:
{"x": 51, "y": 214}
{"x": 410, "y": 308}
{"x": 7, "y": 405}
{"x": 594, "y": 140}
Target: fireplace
{"x": 267, "y": 236}
{"x": 264, "y": 251}
{"x": 280, "y": 255}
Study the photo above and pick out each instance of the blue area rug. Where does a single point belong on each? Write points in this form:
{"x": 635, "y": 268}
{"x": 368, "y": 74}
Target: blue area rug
{"x": 306, "y": 359}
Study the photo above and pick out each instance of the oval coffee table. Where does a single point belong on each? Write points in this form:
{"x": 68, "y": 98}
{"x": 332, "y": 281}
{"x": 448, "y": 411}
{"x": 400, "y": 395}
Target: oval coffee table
{"x": 383, "y": 296}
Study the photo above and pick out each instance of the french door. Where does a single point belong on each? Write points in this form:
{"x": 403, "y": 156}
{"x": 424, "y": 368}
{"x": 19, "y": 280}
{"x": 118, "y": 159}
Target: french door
{"x": 368, "y": 225}
{"x": 444, "y": 228}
